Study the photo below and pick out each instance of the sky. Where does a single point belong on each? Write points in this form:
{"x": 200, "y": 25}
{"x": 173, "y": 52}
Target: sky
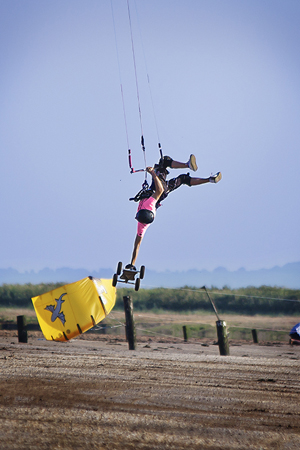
{"x": 217, "y": 78}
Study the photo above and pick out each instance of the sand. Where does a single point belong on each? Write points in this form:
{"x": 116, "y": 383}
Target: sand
{"x": 94, "y": 393}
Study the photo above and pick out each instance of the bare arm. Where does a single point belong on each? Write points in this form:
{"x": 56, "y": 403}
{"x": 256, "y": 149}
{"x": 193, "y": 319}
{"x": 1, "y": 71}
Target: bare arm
{"x": 159, "y": 189}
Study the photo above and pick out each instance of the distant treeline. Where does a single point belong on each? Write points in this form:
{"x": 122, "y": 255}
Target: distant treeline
{"x": 250, "y": 300}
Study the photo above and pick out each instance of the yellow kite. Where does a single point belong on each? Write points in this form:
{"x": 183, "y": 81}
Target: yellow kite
{"x": 74, "y": 308}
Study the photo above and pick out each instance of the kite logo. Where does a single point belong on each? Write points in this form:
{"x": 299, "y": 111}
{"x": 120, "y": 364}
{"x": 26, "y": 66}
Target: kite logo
{"x": 56, "y": 310}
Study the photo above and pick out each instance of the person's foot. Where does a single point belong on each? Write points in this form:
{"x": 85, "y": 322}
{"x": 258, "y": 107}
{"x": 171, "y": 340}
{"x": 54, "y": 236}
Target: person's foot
{"x": 192, "y": 163}
{"x": 130, "y": 267}
{"x": 215, "y": 178}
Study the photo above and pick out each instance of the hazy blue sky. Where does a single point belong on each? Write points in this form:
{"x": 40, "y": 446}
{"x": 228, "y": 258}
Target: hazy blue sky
{"x": 224, "y": 77}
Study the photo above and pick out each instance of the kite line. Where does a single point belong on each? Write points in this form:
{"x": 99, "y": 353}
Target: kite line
{"x": 131, "y": 167}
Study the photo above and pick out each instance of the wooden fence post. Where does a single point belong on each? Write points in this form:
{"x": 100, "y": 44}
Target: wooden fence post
{"x": 185, "y": 335}
{"x": 221, "y": 330}
{"x": 222, "y": 338}
{"x": 22, "y": 331}
{"x": 254, "y": 336}
{"x": 130, "y": 328}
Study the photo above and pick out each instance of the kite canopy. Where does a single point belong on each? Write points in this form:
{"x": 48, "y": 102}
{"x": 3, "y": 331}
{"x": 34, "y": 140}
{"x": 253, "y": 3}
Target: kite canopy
{"x": 74, "y": 308}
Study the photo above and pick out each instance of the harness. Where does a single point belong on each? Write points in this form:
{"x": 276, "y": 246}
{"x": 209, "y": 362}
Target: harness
{"x": 145, "y": 192}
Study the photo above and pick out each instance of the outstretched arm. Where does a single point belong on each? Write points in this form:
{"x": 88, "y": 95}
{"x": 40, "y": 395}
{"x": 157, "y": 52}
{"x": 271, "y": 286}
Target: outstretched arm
{"x": 159, "y": 189}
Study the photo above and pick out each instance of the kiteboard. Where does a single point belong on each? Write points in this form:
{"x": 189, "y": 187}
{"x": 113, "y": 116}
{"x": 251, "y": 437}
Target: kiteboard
{"x": 128, "y": 276}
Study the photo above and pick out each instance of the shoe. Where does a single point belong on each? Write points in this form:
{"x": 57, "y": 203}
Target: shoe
{"x": 130, "y": 267}
{"x": 192, "y": 163}
{"x": 215, "y": 178}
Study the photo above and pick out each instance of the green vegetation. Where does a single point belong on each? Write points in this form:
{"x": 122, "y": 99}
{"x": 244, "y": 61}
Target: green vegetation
{"x": 250, "y": 300}
{"x": 19, "y": 295}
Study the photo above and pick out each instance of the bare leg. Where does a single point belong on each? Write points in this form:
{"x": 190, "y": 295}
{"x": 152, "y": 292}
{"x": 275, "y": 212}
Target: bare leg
{"x": 212, "y": 179}
{"x": 191, "y": 164}
{"x": 179, "y": 165}
{"x": 136, "y": 249}
{"x": 196, "y": 181}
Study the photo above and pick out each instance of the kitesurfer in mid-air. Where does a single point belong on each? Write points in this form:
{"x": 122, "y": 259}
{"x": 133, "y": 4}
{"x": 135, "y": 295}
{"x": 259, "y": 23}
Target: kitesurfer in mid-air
{"x": 150, "y": 199}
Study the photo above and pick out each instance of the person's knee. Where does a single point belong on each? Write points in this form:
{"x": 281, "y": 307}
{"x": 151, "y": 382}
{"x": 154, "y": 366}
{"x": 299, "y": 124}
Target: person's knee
{"x": 167, "y": 161}
{"x": 185, "y": 179}
{"x": 164, "y": 162}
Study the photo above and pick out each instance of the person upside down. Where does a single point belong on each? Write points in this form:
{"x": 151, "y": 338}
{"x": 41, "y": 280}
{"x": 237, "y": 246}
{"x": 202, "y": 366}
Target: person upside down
{"x": 151, "y": 198}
